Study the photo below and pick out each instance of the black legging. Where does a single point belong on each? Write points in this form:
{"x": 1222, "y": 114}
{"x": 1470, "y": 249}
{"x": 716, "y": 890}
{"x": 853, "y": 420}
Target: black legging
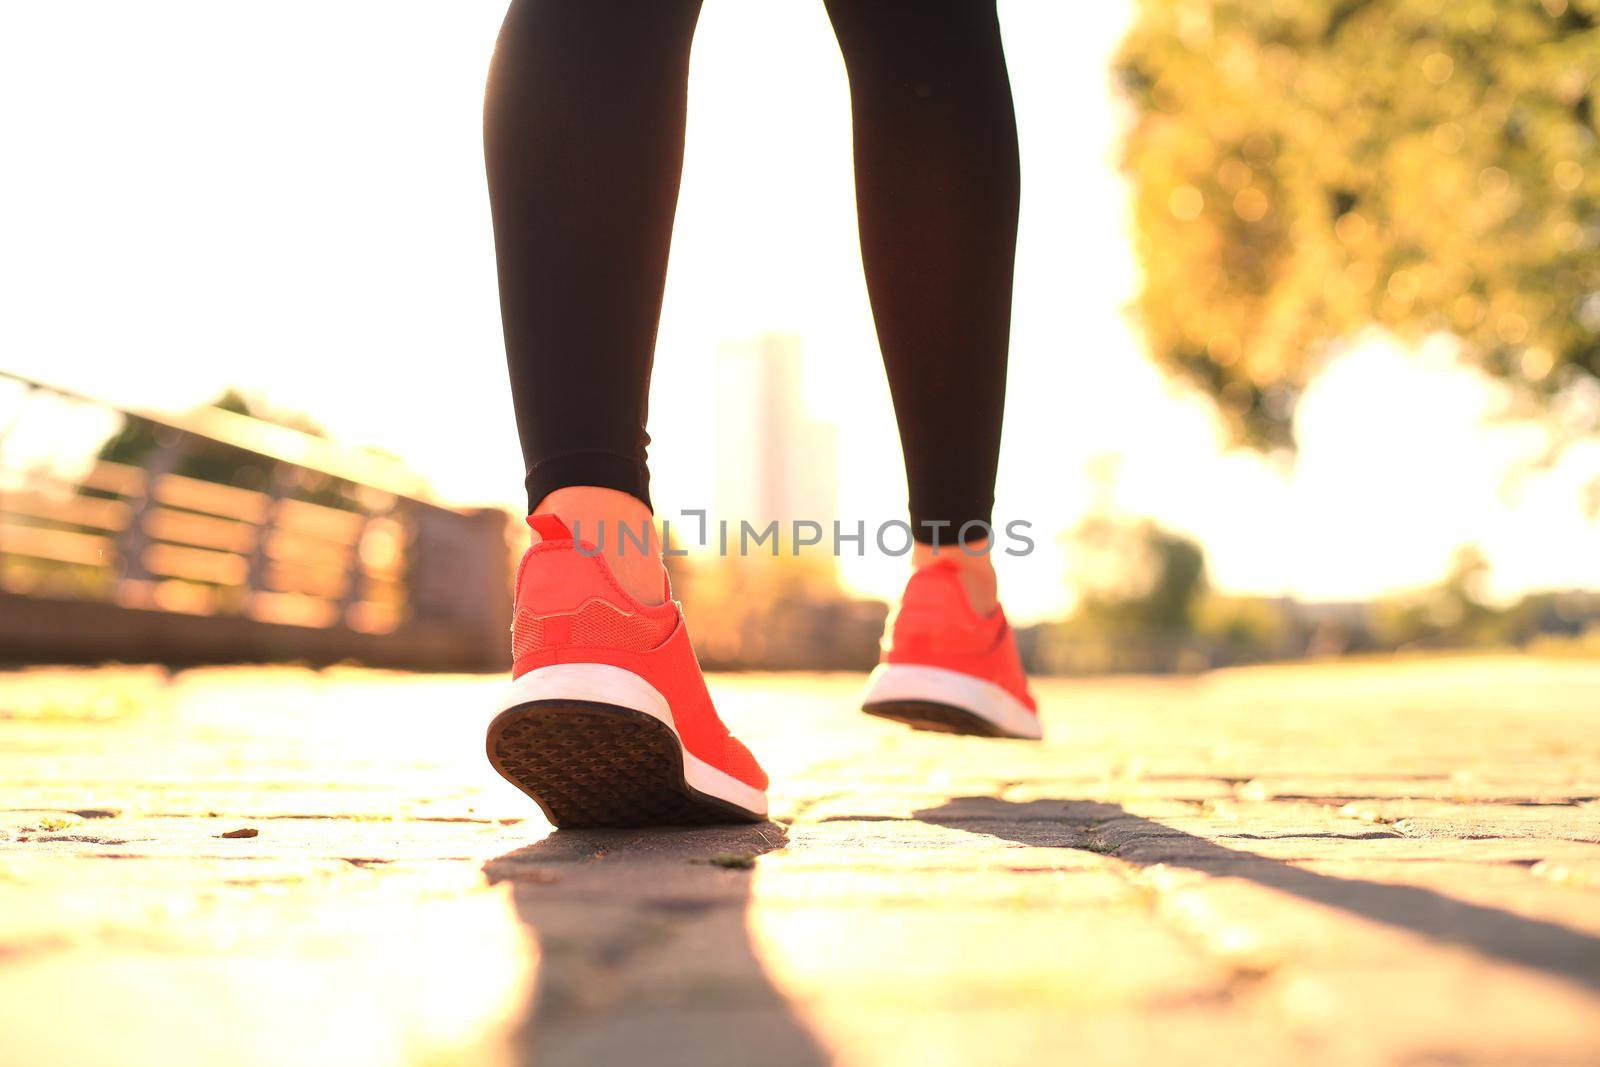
{"x": 584, "y": 128}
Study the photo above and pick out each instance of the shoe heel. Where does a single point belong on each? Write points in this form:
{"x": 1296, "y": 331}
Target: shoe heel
{"x": 595, "y": 745}
{"x": 946, "y": 701}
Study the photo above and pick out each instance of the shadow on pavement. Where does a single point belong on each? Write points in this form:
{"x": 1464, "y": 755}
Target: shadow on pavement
{"x": 1545, "y": 946}
{"x": 645, "y": 950}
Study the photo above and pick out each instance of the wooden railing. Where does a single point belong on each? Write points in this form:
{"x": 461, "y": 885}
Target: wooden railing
{"x": 329, "y": 541}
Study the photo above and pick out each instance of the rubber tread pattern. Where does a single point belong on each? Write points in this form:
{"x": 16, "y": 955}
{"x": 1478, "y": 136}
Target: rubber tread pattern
{"x": 589, "y": 764}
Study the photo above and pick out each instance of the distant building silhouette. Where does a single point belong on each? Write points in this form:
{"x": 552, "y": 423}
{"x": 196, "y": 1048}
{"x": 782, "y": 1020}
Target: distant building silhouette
{"x": 774, "y": 461}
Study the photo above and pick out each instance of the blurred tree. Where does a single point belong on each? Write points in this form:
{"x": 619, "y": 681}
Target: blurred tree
{"x": 1248, "y": 627}
{"x": 137, "y": 440}
{"x": 1306, "y": 168}
{"x": 1453, "y": 613}
{"x": 1135, "y": 577}
{"x": 1139, "y": 588}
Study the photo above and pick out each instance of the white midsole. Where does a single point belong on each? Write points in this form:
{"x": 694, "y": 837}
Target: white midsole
{"x": 891, "y": 682}
{"x": 605, "y": 684}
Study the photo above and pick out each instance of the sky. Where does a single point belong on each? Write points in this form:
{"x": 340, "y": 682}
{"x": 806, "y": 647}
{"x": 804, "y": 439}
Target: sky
{"x": 290, "y": 199}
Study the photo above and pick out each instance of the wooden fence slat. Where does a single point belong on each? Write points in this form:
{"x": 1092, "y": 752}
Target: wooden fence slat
{"x": 374, "y": 568}
{"x": 201, "y": 531}
{"x": 212, "y": 498}
{"x": 288, "y": 578}
{"x": 60, "y": 546}
{"x": 118, "y": 478}
{"x": 294, "y": 609}
{"x": 169, "y": 594}
{"x": 196, "y": 564}
{"x": 286, "y": 547}
{"x": 316, "y": 520}
{"x": 96, "y": 512}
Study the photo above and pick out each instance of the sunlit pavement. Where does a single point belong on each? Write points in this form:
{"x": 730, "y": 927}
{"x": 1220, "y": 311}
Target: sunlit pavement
{"x": 1372, "y": 863}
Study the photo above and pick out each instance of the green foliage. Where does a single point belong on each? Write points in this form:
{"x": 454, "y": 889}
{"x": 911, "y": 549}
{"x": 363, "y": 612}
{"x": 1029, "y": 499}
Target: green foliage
{"x": 1135, "y": 577}
{"x": 1453, "y": 611}
{"x": 1304, "y": 169}
{"x": 1257, "y": 626}
{"x": 137, "y": 441}
{"x": 1456, "y": 613}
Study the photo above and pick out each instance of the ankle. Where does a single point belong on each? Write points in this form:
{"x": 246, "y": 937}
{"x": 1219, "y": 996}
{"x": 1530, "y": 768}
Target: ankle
{"x": 623, "y": 528}
{"x": 973, "y": 566}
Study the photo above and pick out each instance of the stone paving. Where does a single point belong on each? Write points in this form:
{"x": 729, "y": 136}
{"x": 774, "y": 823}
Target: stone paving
{"x": 1384, "y": 863}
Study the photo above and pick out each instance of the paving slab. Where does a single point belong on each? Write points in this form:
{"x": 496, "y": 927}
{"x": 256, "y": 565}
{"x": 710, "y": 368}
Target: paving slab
{"x": 1343, "y": 863}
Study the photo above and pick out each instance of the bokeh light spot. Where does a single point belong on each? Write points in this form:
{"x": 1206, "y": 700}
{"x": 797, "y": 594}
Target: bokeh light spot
{"x": 1186, "y": 203}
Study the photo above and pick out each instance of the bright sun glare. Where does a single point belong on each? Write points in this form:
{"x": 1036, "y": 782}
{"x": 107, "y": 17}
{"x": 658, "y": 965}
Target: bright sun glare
{"x": 293, "y": 203}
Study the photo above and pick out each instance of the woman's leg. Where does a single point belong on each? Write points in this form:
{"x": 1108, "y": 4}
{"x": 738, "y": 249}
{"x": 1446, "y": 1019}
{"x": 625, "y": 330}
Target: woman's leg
{"x": 583, "y": 135}
{"x": 937, "y": 192}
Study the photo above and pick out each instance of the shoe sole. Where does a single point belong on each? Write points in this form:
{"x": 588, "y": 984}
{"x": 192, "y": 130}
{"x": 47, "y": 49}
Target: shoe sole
{"x": 611, "y": 762}
{"x": 590, "y": 765}
{"x": 946, "y": 701}
{"x": 937, "y": 718}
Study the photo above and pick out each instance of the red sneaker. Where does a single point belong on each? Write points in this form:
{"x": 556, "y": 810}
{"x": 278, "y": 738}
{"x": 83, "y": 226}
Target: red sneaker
{"x": 947, "y": 668}
{"x": 608, "y": 722}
